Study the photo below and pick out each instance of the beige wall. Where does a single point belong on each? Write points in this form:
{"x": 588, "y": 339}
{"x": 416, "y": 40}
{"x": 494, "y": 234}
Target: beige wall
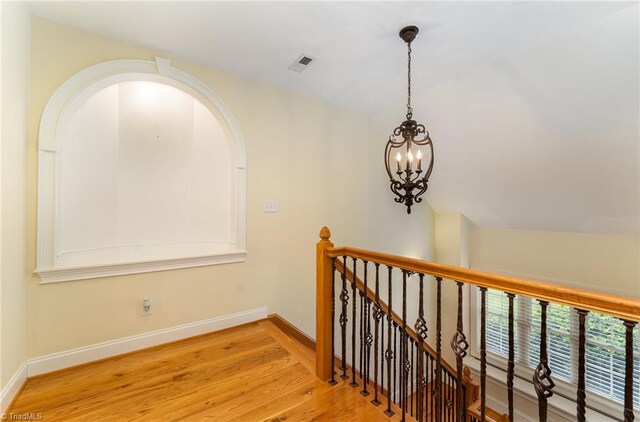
{"x": 317, "y": 160}
{"x": 15, "y": 67}
{"x": 601, "y": 262}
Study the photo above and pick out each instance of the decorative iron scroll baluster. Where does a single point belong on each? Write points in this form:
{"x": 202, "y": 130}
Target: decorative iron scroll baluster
{"x": 403, "y": 349}
{"x": 580, "y": 409}
{"x": 333, "y": 322}
{"x": 483, "y": 355}
{"x": 354, "y": 308}
{"x": 367, "y": 331}
{"x": 511, "y": 362}
{"x": 377, "y": 314}
{"x": 628, "y": 372}
{"x": 344, "y": 299}
{"x": 390, "y": 355}
{"x": 438, "y": 395}
{"x": 542, "y": 377}
{"x": 459, "y": 345}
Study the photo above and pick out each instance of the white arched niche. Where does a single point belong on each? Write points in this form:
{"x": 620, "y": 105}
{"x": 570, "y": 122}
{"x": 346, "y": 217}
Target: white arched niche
{"x": 141, "y": 168}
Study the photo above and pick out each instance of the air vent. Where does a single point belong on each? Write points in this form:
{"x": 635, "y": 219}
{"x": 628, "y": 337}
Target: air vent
{"x": 302, "y": 63}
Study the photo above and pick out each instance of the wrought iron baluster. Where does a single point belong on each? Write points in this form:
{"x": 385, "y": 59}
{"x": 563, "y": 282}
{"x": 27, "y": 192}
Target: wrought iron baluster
{"x": 425, "y": 397}
{"x": 344, "y": 299}
{"x": 449, "y": 401}
{"x": 383, "y": 361}
{"x": 361, "y": 331}
{"x": 511, "y": 361}
{"x": 377, "y": 315}
{"x": 404, "y": 362}
{"x": 459, "y": 345}
{"x": 421, "y": 331}
{"x": 483, "y": 356}
{"x": 333, "y": 322}
{"x": 628, "y": 371}
{"x": 452, "y": 398}
{"x": 430, "y": 396}
{"x": 542, "y": 377}
{"x": 438, "y": 401}
{"x": 354, "y": 308}
{"x": 364, "y": 333}
{"x": 395, "y": 362}
{"x": 445, "y": 396}
{"x": 390, "y": 355}
{"x": 412, "y": 394}
{"x": 419, "y": 384}
{"x": 420, "y": 374}
{"x": 580, "y": 408}
{"x": 367, "y": 331}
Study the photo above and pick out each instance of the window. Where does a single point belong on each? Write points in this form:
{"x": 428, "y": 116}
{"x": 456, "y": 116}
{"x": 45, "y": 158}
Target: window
{"x": 605, "y": 345}
{"x": 141, "y": 168}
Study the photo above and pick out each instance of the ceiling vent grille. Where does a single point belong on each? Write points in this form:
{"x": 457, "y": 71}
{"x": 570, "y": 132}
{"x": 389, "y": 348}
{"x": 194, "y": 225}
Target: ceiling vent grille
{"x": 302, "y": 63}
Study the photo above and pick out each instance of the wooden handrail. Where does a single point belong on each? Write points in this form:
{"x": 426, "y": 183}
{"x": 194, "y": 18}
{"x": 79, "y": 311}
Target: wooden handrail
{"x": 618, "y": 306}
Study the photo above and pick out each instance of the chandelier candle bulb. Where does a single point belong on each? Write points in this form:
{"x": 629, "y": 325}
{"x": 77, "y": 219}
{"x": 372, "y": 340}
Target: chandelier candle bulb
{"x": 399, "y": 158}
{"x": 419, "y": 157}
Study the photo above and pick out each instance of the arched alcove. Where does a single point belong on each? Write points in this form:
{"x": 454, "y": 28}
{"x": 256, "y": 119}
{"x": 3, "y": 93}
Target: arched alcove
{"x": 141, "y": 168}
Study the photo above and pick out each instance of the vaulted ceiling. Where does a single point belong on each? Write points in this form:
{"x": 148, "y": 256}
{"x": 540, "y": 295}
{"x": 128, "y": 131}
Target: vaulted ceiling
{"x": 533, "y": 106}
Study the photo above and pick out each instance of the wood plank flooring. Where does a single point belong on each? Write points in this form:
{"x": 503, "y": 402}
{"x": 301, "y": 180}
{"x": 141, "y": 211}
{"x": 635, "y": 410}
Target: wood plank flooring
{"x": 254, "y": 372}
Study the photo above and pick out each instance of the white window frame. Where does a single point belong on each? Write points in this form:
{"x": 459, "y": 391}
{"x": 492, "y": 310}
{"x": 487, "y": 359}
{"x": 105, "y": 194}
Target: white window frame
{"x": 62, "y": 105}
{"x": 567, "y": 390}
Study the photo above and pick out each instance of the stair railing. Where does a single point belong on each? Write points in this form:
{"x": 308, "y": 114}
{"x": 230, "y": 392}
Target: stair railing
{"x": 387, "y": 354}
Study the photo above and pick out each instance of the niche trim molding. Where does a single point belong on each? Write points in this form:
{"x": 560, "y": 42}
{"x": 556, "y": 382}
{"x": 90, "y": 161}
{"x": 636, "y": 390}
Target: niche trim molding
{"x": 57, "y": 112}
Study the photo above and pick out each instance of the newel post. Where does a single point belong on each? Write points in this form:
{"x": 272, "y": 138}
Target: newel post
{"x": 324, "y": 281}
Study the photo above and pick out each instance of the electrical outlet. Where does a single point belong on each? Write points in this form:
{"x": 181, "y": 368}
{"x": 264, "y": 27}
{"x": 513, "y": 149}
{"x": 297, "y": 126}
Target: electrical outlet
{"x": 270, "y": 206}
{"x": 147, "y": 306}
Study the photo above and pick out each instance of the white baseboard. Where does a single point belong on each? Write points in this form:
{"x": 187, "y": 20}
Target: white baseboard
{"x": 111, "y": 348}
{"x": 13, "y": 387}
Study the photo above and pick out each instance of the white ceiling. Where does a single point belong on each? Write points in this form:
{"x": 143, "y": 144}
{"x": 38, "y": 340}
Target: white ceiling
{"x": 356, "y": 43}
{"x": 361, "y": 65}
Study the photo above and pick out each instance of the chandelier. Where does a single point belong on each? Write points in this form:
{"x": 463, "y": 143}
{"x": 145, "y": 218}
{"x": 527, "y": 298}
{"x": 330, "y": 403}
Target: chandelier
{"x": 409, "y": 149}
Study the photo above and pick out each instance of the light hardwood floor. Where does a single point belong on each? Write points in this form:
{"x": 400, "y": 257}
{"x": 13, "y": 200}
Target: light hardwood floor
{"x": 254, "y": 372}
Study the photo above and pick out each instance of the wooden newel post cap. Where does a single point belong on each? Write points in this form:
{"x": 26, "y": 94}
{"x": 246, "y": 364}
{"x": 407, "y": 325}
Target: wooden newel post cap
{"x": 325, "y": 233}
{"x": 467, "y": 372}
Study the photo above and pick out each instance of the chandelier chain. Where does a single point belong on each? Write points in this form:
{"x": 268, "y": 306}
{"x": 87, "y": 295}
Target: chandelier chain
{"x": 409, "y": 108}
